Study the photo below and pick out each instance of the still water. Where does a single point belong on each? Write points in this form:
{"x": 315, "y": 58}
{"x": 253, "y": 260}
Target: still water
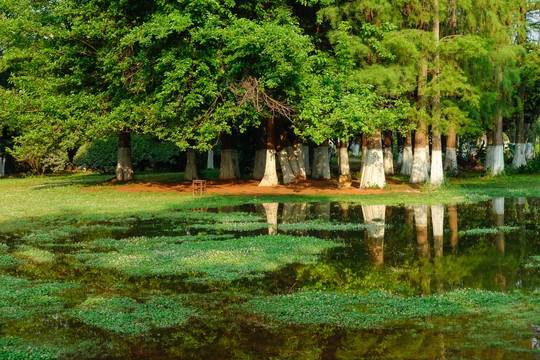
{"x": 282, "y": 281}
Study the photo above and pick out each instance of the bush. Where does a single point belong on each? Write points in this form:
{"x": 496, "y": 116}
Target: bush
{"x": 146, "y": 151}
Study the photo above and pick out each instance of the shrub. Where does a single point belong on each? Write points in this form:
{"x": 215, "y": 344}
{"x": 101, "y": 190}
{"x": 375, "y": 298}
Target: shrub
{"x": 146, "y": 151}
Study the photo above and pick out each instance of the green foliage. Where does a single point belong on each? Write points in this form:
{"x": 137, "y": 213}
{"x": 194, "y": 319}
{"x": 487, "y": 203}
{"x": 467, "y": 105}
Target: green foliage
{"x": 224, "y": 260}
{"x": 146, "y": 151}
{"x": 318, "y": 225}
{"x": 131, "y": 317}
{"x": 19, "y": 349}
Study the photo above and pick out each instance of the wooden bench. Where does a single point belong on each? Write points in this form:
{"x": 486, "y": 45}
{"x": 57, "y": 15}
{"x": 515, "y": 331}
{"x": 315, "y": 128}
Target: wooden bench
{"x": 199, "y": 187}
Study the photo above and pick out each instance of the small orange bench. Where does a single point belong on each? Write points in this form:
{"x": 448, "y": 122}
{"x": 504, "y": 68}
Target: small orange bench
{"x": 199, "y": 187}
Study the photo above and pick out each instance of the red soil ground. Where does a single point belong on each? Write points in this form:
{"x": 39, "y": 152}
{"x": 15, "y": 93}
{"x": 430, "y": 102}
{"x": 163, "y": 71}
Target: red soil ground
{"x": 250, "y": 187}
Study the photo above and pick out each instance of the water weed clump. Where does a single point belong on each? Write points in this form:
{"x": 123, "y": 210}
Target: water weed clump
{"x": 223, "y": 260}
{"x": 317, "y": 225}
{"x": 481, "y": 231}
{"x": 34, "y": 254}
{"x": 232, "y": 226}
{"x": 131, "y": 317}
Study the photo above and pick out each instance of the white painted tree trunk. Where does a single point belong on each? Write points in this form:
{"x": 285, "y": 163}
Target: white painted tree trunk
{"x": 373, "y": 169}
{"x": 437, "y": 219}
{"x": 344, "y": 168}
{"x": 355, "y": 149}
{"x": 210, "y": 160}
{"x": 227, "y": 168}
{"x": 191, "y": 166}
{"x": 437, "y": 175}
{"x": 306, "y": 159}
{"x": 519, "y": 159}
{"x": 388, "y": 161}
{"x": 450, "y": 160}
{"x": 323, "y": 163}
{"x": 293, "y": 161}
{"x": 498, "y": 160}
{"x": 407, "y": 165}
{"x": 271, "y": 210}
{"x": 236, "y": 162}
{"x": 529, "y": 151}
{"x": 300, "y": 157}
{"x": 420, "y": 215}
{"x": 2, "y": 166}
{"x": 259, "y": 164}
{"x": 420, "y": 172}
{"x": 124, "y": 167}
{"x": 315, "y": 170}
{"x": 270, "y": 173}
{"x": 286, "y": 170}
{"x": 399, "y": 161}
{"x": 428, "y": 158}
{"x": 364, "y": 155}
{"x": 498, "y": 206}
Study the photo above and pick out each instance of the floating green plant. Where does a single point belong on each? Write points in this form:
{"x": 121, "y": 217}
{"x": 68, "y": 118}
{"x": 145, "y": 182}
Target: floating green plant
{"x": 317, "y": 225}
{"x": 233, "y": 226}
{"x": 211, "y": 260}
{"x": 7, "y": 260}
{"x": 128, "y": 316}
{"x": 35, "y": 255}
{"x": 480, "y": 231}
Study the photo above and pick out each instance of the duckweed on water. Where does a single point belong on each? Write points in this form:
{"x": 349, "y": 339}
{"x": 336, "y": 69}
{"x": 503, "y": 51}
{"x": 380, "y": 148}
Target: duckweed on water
{"x": 233, "y": 226}
{"x": 317, "y": 225}
{"x": 7, "y": 260}
{"x": 20, "y": 349}
{"x": 378, "y": 308}
{"x": 127, "y": 316}
{"x": 224, "y": 260}
{"x": 480, "y": 231}
{"x": 35, "y": 255}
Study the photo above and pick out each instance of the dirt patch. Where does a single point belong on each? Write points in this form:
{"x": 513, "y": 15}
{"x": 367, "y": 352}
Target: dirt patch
{"x": 251, "y": 188}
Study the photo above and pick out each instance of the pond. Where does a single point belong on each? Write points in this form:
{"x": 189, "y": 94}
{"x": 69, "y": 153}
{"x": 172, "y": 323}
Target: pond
{"x": 292, "y": 280}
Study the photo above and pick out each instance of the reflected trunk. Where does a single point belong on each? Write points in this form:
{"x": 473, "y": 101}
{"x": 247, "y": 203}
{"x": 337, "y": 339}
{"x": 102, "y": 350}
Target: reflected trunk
{"x": 271, "y": 210}
{"x": 374, "y": 218}
{"x": 453, "y": 224}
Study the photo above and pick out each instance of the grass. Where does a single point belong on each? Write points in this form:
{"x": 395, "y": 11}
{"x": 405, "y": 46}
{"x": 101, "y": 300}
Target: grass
{"x": 317, "y": 225}
{"x": 80, "y": 198}
{"x": 224, "y": 260}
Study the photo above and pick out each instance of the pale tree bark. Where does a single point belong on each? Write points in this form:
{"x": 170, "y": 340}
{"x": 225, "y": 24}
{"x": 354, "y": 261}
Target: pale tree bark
{"x": 437, "y": 219}
{"x": 364, "y": 149}
{"x": 498, "y": 212}
{"x": 124, "y": 166}
{"x": 519, "y": 159}
{"x": 498, "y": 146}
{"x": 260, "y": 154}
{"x": 270, "y": 173}
{"x": 344, "y": 168}
{"x": 322, "y": 165}
{"x": 453, "y": 224}
{"x": 450, "y": 159}
{"x": 191, "y": 166}
{"x": 373, "y": 169}
{"x": 271, "y": 210}
{"x": 388, "y": 155}
{"x": 374, "y": 218}
{"x": 355, "y": 148}
{"x": 227, "y": 168}
{"x": 2, "y": 166}
{"x": 307, "y": 166}
{"x": 300, "y": 157}
{"x": 210, "y": 159}
{"x": 314, "y": 169}
{"x": 287, "y": 159}
{"x": 420, "y": 170}
{"x": 286, "y": 170}
{"x": 407, "y": 164}
{"x": 399, "y": 161}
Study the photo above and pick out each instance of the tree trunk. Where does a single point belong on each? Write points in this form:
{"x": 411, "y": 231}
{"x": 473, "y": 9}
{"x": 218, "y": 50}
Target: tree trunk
{"x": 373, "y": 169}
{"x": 450, "y": 160}
{"x": 322, "y": 166}
{"x": 124, "y": 167}
{"x": 453, "y": 224}
{"x": 301, "y": 158}
{"x": 374, "y": 217}
{"x": 343, "y": 156}
{"x": 260, "y": 154}
{"x": 489, "y": 150}
{"x": 210, "y": 159}
{"x": 191, "y": 166}
{"x": 271, "y": 210}
{"x": 498, "y": 146}
{"x": 437, "y": 176}
{"x": 420, "y": 172}
{"x": 227, "y": 168}
{"x": 388, "y": 155}
{"x": 407, "y": 164}
{"x": 315, "y": 170}
{"x": 286, "y": 170}
{"x": 364, "y": 150}
{"x": 519, "y": 159}
{"x": 305, "y": 149}
{"x": 2, "y": 166}
{"x": 355, "y": 148}
{"x": 270, "y": 173}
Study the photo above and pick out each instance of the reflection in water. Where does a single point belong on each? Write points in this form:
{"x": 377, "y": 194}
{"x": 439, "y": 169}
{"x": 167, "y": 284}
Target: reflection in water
{"x": 437, "y": 219}
{"x": 374, "y": 216}
{"x": 344, "y": 210}
{"x": 421, "y": 219}
{"x": 498, "y": 212}
{"x": 452, "y": 222}
{"x": 271, "y": 210}
{"x": 322, "y": 210}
